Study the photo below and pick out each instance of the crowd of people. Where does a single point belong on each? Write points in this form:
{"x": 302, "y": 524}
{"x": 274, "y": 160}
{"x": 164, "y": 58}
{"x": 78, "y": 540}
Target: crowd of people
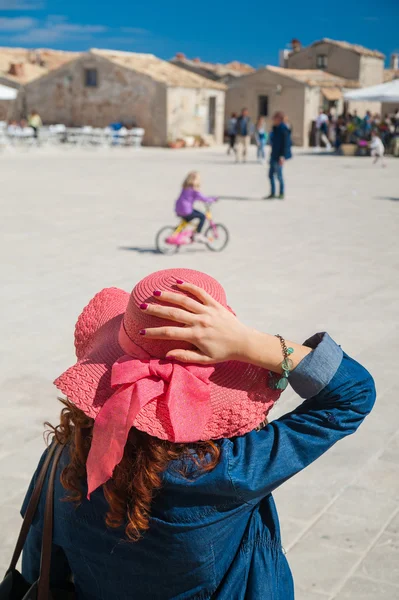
{"x": 350, "y": 128}
{"x": 241, "y": 130}
{"x": 372, "y": 134}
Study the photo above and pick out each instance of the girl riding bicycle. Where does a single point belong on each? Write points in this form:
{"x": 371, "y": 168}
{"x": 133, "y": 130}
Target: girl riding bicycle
{"x": 185, "y": 203}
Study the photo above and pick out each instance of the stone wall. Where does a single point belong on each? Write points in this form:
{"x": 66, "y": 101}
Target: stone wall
{"x": 121, "y": 94}
{"x": 188, "y": 112}
{"x": 6, "y": 109}
{"x": 341, "y": 62}
{"x": 371, "y": 71}
{"x": 389, "y": 108}
{"x": 363, "y": 107}
{"x": 283, "y": 94}
{"x": 313, "y": 104}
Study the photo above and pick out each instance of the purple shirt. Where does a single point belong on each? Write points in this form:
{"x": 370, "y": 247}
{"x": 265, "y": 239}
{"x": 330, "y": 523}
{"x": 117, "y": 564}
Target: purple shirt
{"x": 185, "y": 202}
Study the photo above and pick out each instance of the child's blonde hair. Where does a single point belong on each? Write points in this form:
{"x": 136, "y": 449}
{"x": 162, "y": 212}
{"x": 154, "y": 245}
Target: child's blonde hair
{"x": 192, "y": 180}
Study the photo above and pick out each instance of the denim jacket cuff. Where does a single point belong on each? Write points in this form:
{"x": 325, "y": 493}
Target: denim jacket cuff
{"x": 317, "y": 369}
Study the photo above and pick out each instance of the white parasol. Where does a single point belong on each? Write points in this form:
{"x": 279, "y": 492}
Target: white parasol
{"x": 384, "y": 92}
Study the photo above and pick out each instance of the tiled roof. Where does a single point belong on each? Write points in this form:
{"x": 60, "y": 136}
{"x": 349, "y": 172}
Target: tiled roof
{"x": 243, "y": 68}
{"x": 354, "y": 47}
{"x": 158, "y": 69}
{"x": 35, "y": 62}
{"x": 391, "y": 74}
{"x": 234, "y": 67}
{"x": 30, "y": 72}
{"x": 314, "y": 77}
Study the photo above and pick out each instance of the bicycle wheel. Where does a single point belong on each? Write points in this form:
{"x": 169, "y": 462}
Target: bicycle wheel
{"x": 161, "y": 243}
{"x": 217, "y": 236}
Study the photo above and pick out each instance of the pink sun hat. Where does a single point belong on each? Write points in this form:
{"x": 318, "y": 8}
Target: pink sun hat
{"x": 121, "y": 378}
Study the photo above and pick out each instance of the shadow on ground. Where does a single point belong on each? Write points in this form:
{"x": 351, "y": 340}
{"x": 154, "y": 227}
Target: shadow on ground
{"x": 391, "y": 198}
{"x": 139, "y": 250}
{"x": 319, "y": 153}
{"x": 238, "y": 198}
{"x": 143, "y": 250}
{"x": 229, "y": 161}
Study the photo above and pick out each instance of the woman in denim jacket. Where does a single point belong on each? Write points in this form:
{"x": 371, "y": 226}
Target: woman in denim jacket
{"x": 186, "y": 519}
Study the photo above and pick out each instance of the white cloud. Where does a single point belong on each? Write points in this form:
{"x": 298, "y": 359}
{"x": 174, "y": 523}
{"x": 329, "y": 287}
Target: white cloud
{"x": 134, "y": 30}
{"x": 61, "y": 24}
{"x": 16, "y": 23}
{"x": 79, "y": 29}
{"x": 36, "y": 37}
{"x": 20, "y": 5}
{"x": 56, "y": 28}
{"x": 56, "y": 19}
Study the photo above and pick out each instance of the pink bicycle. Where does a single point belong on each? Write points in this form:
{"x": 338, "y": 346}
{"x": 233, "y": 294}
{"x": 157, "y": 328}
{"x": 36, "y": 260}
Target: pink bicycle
{"x": 170, "y": 239}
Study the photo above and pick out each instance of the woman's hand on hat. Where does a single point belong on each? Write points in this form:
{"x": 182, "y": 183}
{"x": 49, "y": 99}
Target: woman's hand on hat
{"x": 215, "y": 332}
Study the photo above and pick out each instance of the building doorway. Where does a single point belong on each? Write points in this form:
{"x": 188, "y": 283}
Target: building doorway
{"x": 212, "y": 115}
{"x": 263, "y": 106}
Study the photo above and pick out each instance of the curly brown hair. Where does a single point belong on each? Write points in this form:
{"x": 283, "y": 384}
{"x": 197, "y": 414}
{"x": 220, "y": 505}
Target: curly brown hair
{"x": 137, "y": 478}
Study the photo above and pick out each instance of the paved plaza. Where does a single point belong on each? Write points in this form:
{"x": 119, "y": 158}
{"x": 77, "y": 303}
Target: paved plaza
{"x": 73, "y": 221}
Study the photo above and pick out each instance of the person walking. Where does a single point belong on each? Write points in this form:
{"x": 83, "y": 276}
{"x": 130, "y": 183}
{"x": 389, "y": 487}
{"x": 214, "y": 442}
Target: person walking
{"x": 280, "y": 152}
{"x": 35, "y": 122}
{"x": 261, "y": 139}
{"x": 377, "y": 148}
{"x": 243, "y": 137}
{"x": 340, "y": 128}
{"x": 322, "y": 124}
{"x": 356, "y": 120}
{"x": 231, "y": 132}
{"x": 367, "y": 124}
{"x": 164, "y": 486}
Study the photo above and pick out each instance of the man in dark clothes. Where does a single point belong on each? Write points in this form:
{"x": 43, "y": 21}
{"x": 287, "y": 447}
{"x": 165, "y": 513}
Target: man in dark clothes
{"x": 280, "y": 152}
{"x": 244, "y": 131}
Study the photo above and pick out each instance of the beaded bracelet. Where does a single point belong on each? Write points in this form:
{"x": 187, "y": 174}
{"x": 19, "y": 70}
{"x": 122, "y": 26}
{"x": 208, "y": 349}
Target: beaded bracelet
{"x": 280, "y": 383}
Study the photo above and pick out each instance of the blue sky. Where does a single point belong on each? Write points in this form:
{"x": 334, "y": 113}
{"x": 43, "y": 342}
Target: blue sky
{"x": 250, "y": 31}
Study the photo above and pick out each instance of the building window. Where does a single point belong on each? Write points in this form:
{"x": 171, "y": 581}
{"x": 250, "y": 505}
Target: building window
{"x": 91, "y": 78}
{"x": 263, "y": 106}
{"x": 321, "y": 61}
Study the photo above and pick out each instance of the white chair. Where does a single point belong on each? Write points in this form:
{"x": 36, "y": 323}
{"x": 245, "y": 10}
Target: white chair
{"x": 73, "y": 135}
{"x": 4, "y": 141}
{"x": 136, "y": 137}
{"x": 27, "y": 137}
{"x": 57, "y": 133}
{"x": 86, "y": 135}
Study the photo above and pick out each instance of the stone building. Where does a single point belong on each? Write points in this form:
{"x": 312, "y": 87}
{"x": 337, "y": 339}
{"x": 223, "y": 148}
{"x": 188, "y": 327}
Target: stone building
{"x": 298, "y": 92}
{"x": 343, "y": 59}
{"x": 215, "y": 71}
{"x": 388, "y": 108}
{"x": 104, "y": 86}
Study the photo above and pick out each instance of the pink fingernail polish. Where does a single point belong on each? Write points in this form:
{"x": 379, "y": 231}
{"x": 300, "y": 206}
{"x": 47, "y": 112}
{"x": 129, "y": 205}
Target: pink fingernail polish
{"x": 143, "y": 306}
{"x": 180, "y": 281}
{"x": 142, "y": 332}
{"x": 157, "y": 293}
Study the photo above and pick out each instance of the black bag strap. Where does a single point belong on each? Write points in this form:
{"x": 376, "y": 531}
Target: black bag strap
{"x": 43, "y": 588}
{"x": 31, "y": 508}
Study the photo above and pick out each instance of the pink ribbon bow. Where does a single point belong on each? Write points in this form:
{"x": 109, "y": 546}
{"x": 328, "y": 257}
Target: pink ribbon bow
{"x": 184, "y": 389}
